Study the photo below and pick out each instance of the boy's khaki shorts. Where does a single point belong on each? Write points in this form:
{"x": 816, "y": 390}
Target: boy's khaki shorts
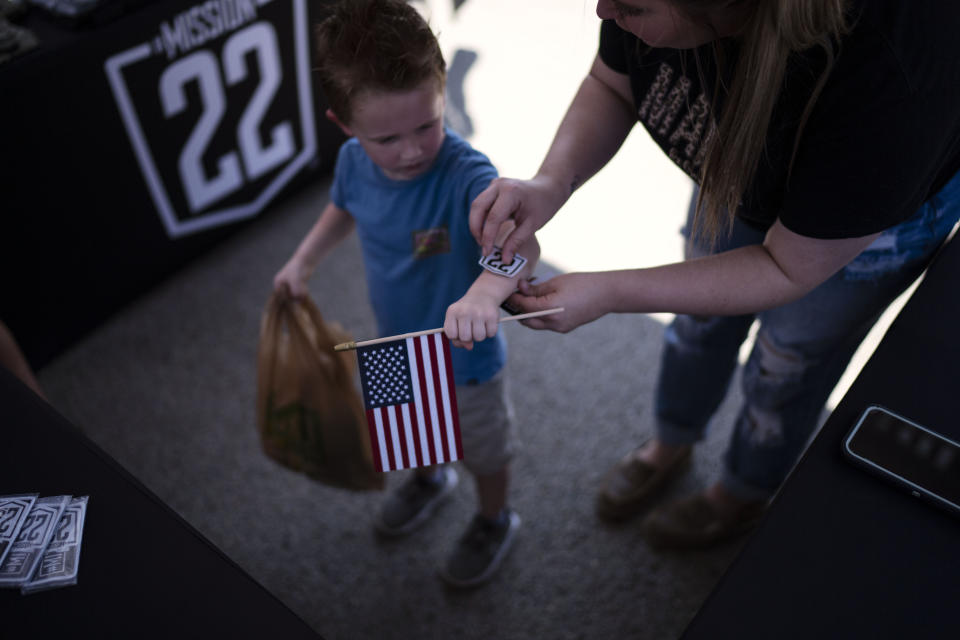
{"x": 486, "y": 425}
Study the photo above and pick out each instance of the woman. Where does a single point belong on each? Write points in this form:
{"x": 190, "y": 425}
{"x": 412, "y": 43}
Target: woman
{"x": 824, "y": 136}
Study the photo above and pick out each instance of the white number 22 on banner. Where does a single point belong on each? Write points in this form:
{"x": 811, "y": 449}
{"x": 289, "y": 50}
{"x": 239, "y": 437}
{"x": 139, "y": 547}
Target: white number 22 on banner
{"x": 217, "y": 101}
{"x": 202, "y": 67}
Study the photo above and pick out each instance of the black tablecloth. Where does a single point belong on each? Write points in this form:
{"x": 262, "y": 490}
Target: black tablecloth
{"x": 131, "y": 147}
{"x": 144, "y": 571}
{"x": 842, "y": 553}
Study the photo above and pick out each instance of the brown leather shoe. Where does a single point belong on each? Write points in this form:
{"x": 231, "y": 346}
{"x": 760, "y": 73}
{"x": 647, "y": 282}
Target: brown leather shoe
{"x": 694, "y": 522}
{"x": 631, "y": 483}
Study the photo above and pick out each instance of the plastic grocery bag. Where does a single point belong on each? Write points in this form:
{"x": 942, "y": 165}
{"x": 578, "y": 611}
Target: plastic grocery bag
{"x": 309, "y": 414}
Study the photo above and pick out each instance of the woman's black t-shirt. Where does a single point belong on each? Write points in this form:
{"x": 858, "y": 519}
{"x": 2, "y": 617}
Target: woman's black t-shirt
{"x": 883, "y": 137}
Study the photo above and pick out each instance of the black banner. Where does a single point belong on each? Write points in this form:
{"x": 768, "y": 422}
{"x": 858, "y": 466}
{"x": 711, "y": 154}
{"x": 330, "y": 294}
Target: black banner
{"x": 217, "y": 103}
{"x": 134, "y": 146}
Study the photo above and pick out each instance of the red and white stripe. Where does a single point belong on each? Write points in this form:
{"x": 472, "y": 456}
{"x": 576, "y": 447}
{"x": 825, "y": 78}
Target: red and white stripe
{"x": 427, "y": 430}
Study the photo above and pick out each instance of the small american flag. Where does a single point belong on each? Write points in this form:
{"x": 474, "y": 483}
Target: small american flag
{"x": 411, "y": 404}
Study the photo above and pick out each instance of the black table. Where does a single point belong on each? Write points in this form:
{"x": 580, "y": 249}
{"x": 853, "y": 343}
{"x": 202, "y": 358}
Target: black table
{"x": 843, "y": 554}
{"x": 183, "y": 588}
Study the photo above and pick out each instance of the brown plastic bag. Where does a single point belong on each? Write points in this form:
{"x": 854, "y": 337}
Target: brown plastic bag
{"x": 309, "y": 414}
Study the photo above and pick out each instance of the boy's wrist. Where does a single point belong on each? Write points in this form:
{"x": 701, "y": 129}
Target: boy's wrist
{"x": 304, "y": 263}
{"x": 484, "y": 296}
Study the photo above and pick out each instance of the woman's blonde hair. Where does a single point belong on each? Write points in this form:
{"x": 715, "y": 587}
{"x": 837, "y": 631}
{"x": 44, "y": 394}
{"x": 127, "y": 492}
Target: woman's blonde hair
{"x": 774, "y": 29}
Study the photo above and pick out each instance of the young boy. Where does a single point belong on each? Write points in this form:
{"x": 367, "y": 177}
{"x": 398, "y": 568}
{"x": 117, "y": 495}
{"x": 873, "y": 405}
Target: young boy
{"x": 406, "y": 183}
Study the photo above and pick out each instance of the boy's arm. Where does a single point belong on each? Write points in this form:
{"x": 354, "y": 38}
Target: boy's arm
{"x": 333, "y": 226}
{"x": 476, "y": 315}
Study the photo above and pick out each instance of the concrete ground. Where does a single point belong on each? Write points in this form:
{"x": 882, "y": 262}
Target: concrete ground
{"x": 168, "y": 385}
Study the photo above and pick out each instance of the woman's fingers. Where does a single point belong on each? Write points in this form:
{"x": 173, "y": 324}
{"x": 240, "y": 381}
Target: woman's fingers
{"x": 531, "y": 298}
{"x": 529, "y": 203}
{"x": 487, "y": 212}
{"x": 479, "y": 209}
{"x": 516, "y": 238}
{"x": 503, "y": 209}
{"x": 499, "y": 202}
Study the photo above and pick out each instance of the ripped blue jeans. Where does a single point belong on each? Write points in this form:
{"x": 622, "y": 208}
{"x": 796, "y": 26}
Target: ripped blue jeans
{"x": 800, "y": 352}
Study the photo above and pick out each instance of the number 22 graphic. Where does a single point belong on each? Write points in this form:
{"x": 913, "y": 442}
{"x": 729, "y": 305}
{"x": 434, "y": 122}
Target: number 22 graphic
{"x": 257, "y": 158}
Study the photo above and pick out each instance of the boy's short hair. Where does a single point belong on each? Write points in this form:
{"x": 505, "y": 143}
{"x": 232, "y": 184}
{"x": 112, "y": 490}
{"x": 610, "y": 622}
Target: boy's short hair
{"x": 379, "y": 45}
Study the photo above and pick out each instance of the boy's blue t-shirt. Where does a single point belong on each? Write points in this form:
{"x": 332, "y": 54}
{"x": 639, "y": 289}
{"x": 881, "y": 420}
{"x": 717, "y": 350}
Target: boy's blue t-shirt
{"x": 418, "y": 252}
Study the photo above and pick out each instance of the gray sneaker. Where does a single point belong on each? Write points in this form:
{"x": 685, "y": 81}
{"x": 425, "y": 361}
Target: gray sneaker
{"x": 414, "y": 502}
{"x": 480, "y": 551}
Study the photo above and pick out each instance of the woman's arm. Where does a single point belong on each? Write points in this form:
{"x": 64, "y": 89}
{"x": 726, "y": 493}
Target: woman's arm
{"x": 597, "y": 122}
{"x": 784, "y": 268}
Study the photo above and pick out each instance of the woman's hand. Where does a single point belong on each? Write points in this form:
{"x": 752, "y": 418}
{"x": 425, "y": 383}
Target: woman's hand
{"x": 582, "y": 296}
{"x": 529, "y": 203}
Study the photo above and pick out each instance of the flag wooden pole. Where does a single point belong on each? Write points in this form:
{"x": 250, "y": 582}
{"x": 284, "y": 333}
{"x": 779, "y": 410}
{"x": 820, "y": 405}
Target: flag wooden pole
{"x": 345, "y": 346}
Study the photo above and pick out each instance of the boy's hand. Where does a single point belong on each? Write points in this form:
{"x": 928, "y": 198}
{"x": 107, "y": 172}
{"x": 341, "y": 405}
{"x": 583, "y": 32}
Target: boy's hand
{"x": 292, "y": 279}
{"x": 472, "y": 318}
